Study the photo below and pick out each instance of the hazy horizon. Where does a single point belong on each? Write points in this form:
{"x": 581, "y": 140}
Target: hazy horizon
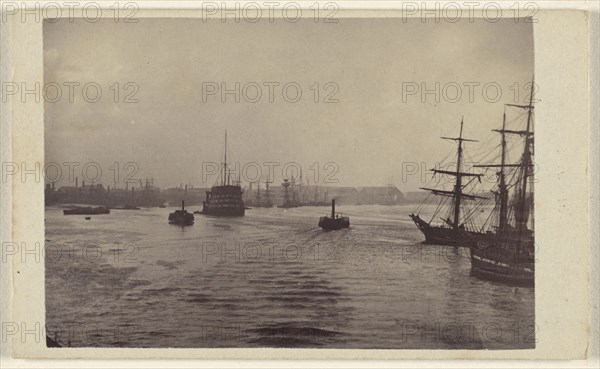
{"x": 369, "y": 132}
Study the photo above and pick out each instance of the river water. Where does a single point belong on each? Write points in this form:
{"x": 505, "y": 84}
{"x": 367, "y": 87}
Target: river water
{"x": 271, "y": 279}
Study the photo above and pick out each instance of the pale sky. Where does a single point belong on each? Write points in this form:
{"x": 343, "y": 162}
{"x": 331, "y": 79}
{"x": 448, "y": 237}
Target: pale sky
{"x": 369, "y": 133}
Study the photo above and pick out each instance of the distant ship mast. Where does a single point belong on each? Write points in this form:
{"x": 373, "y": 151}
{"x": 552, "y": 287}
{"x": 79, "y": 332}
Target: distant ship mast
{"x": 225, "y": 177}
{"x": 267, "y": 192}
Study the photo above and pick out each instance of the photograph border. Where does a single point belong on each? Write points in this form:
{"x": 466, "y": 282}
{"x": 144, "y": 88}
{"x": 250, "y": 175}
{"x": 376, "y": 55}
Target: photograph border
{"x": 562, "y": 304}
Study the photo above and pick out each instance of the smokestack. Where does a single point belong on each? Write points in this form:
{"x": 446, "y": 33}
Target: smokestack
{"x": 332, "y": 208}
{"x": 182, "y": 205}
{"x": 52, "y": 186}
{"x": 82, "y": 184}
{"x": 76, "y": 182}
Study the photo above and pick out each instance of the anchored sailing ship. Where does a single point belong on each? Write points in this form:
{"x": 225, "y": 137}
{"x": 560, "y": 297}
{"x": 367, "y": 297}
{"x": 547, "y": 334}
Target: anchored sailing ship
{"x": 451, "y": 230}
{"x": 506, "y": 252}
{"x": 263, "y": 201}
{"x": 290, "y": 200}
{"x": 225, "y": 199}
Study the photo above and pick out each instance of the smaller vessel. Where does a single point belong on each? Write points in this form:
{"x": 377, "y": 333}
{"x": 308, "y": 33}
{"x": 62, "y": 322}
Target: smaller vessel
{"x": 335, "y": 222}
{"x": 88, "y": 218}
{"x": 127, "y": 207}
{"x": 181, "y": 217}
{"x": 87, "y": 210}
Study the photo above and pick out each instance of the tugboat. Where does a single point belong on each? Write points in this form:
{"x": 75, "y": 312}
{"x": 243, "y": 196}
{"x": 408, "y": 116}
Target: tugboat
{"x": 225, "y": 200}
{"x": 506, "y": 253}
{"x": 335, "y": 222}
{"x": 181, "y": 217}
{"x": 450, "y": 231}
{"x": 87, "y": 210}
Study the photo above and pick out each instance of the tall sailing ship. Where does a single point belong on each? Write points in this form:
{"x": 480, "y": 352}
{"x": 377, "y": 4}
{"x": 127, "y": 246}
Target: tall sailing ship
{"x": 263, "y": 200}
{"x": 505, "y": 253}
{"x": 225, "y": 199}
{"x": 450, "y": 231}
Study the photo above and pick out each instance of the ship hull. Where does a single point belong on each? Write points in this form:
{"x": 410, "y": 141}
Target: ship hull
{"x": 224, "y": 201}
{"x": 333, "y": 224}
{"x": 503, "y": 261}
{"x": 224, "y": 212}
{"x": 182, "y": 220}
{"x": 444, "y": 236}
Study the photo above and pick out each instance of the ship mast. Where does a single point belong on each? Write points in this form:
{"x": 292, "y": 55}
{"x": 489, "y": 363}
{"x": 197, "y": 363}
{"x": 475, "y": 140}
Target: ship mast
{"x": 267, "y": 192}
{"x": 525, "y": 164}
{"x": 258, "y": 193}
{"x": 457, "y": 193}
{"x": 458, "y": 185}
{"x": 225, "y": 174}
{"x": 502, "y": 186}
{"x": 522, "y": 225}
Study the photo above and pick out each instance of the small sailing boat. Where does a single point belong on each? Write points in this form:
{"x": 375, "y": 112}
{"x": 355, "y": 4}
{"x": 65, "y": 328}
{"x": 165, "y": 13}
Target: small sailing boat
{"x": 335, "y": 221}
{"x": 451, "y": 231}
{"x": 225, "y": 199}
{"x": 506, "y": 253}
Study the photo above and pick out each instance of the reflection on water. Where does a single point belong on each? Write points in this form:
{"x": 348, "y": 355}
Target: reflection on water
{"x": 271, "y": 278}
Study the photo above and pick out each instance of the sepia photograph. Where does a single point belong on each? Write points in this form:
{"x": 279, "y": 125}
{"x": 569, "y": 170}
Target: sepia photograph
{"x": 320, "y": 182}
{"x": 270, "y": 183}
